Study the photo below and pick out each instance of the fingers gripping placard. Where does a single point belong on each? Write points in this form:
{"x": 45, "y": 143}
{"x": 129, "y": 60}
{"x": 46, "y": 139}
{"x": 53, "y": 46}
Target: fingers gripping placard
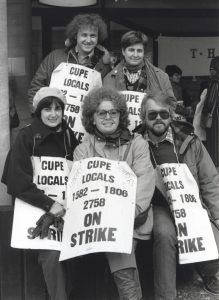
{"x": 76, "y": 82}
{"x": 101, "y": 205}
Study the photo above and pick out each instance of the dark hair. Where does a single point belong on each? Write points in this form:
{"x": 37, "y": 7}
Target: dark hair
{"x": 90, "y": 20}
{"x": 95, "y": 98}
{"x": 45, "y": 103}
{"x": 158, "y": 97}
{"x": 133, "y": 37}
{"x": 215, "y": 63}
{"x": 173, "y": 69}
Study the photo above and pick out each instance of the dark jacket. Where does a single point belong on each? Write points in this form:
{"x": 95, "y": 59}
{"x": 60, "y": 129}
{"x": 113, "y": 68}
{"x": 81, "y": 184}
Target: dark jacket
{"x": 18, "y": 170}
{"x": 155, "y": 78}
{"x": 100, "y": 62}
{"x": 192, "y": 152}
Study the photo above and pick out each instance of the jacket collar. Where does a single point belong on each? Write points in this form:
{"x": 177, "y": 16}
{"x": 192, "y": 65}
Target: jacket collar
{"x": 183, "y": 134}
{"x": 41, "y": 131}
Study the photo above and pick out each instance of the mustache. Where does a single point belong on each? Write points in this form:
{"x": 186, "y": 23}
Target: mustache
{"x": 159, "y": 122}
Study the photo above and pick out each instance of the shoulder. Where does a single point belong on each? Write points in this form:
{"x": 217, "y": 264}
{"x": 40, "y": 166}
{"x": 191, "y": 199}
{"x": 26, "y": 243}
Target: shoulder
{"x": 83, "y": 150}
{"x": 115, "y": 72}
{"x": 139, "y": 144}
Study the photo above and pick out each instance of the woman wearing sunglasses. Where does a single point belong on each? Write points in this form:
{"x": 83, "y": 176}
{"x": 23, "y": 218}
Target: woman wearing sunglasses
{"x": 105, "y": 118}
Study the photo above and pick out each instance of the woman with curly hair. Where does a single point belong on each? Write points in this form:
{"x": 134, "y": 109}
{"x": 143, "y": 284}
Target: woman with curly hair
{"x": 105, "y": 118}
{"x": 84, "y": 34}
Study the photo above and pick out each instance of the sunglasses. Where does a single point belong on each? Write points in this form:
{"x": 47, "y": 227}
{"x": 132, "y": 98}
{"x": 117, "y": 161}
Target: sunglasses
{"x": 152, "y": 115}
{"x": 113, "y": 113}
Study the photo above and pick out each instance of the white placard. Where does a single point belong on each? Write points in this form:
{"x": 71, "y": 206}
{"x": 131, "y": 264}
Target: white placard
{"x": 196, "y": 240}
{"x": 191, "y": 54}
{"x": 101, "y": 206}
{"x": 25, "y": 218}
{"x": 133, "y": 100}
{"x": 50, "y": 174}
{"x": 75, "y": 81}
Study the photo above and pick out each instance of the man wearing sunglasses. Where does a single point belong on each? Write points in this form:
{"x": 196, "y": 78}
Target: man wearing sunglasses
{"x": 174, "y": 142}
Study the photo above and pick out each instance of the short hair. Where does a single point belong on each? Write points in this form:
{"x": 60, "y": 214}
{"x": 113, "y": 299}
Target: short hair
{"x": 173, "y": 69}
{"x": 95, "y": 98}
{"x": 158, "y": 97}
{"x": 133, "y": 37}
{"x": 45, "y": 103}
{"x": 90, "y": 20}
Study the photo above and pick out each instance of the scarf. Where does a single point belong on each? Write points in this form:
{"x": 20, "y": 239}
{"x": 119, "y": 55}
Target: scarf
{"x": 117, "y": 138}
{"x": 132, "y": 73}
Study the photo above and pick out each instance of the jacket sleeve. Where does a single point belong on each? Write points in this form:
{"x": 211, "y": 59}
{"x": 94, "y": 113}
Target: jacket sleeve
{"x": 18, "y": 176}
{"x": 42, "y": 77}
{"x": 208, "y": 179}
{"x": 144, "y": 171}
{"x": 80, "y": 152}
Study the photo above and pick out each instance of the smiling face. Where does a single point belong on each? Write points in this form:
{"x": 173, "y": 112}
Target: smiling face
{"x": 134, "y": 54}
{"x": 52, "y": 116}
{"x": 157, "y": 119}
{"x": 87, "y": 39}
{"x": 107, "y": 123}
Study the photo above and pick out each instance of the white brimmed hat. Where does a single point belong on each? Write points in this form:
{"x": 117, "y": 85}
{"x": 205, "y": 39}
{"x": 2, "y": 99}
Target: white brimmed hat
{"x": 45, "y": 92}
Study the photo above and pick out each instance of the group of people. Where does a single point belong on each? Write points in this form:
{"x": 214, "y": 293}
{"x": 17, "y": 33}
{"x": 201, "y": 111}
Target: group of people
{"x": 158, "y": 140}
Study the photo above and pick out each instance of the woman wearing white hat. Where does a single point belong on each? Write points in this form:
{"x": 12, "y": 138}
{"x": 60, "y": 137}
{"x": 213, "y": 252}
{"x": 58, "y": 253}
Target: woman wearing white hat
{"x": 50, "y": 140}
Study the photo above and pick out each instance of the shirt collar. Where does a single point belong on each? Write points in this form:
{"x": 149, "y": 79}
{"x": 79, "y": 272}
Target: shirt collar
{"x": 86, "y": 56}
{"x": 168, "y": 137}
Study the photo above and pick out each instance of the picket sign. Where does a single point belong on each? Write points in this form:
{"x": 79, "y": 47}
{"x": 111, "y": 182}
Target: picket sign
{"x": 76, "y": 82}
{"x": 50, "y": 174}
{"x": 196, "y": 240}
{"x": 24, "y": 221}
{"x": 101, "y": 207}
{"x": 133, "y": 101}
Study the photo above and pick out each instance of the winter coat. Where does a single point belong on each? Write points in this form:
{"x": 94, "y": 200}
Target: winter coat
{"x": 192, "y": 152}
{"x": 43, "y": 75}
{"x": 115, "y": 79}
{"x": 138, "y": 159}
{"x": 18, "y": 170}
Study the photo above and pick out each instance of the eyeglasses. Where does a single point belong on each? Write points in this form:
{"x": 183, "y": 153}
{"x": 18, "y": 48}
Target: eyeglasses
{"x": 152, "y": 115}
{"x": 113, "y": 113}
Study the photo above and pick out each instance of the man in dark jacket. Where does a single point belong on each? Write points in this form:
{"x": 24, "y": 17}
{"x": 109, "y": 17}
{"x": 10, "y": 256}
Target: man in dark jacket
{"x": 84, "y": 35}
{"x": 174, "y": 142}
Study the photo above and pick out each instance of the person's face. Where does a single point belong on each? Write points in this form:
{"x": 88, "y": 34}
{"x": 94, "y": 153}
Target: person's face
{"x": 157, "y": 118}
{"x": 52, "y": 116}
{"x": 134, "y": 54}
{"x": 176, "y": 77}
{"x": 87, "y": 39}
{"x": 106, "y": 117}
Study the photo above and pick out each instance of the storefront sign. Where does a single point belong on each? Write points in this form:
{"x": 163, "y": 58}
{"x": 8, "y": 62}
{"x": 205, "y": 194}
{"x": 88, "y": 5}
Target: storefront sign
{"x": 191, "y": 54}
{"x": 69, "y": 3}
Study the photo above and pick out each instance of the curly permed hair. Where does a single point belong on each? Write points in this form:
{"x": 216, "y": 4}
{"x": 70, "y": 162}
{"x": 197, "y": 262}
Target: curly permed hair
{"x": 93, "y": 100}
{"x": 90, "y": 20}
